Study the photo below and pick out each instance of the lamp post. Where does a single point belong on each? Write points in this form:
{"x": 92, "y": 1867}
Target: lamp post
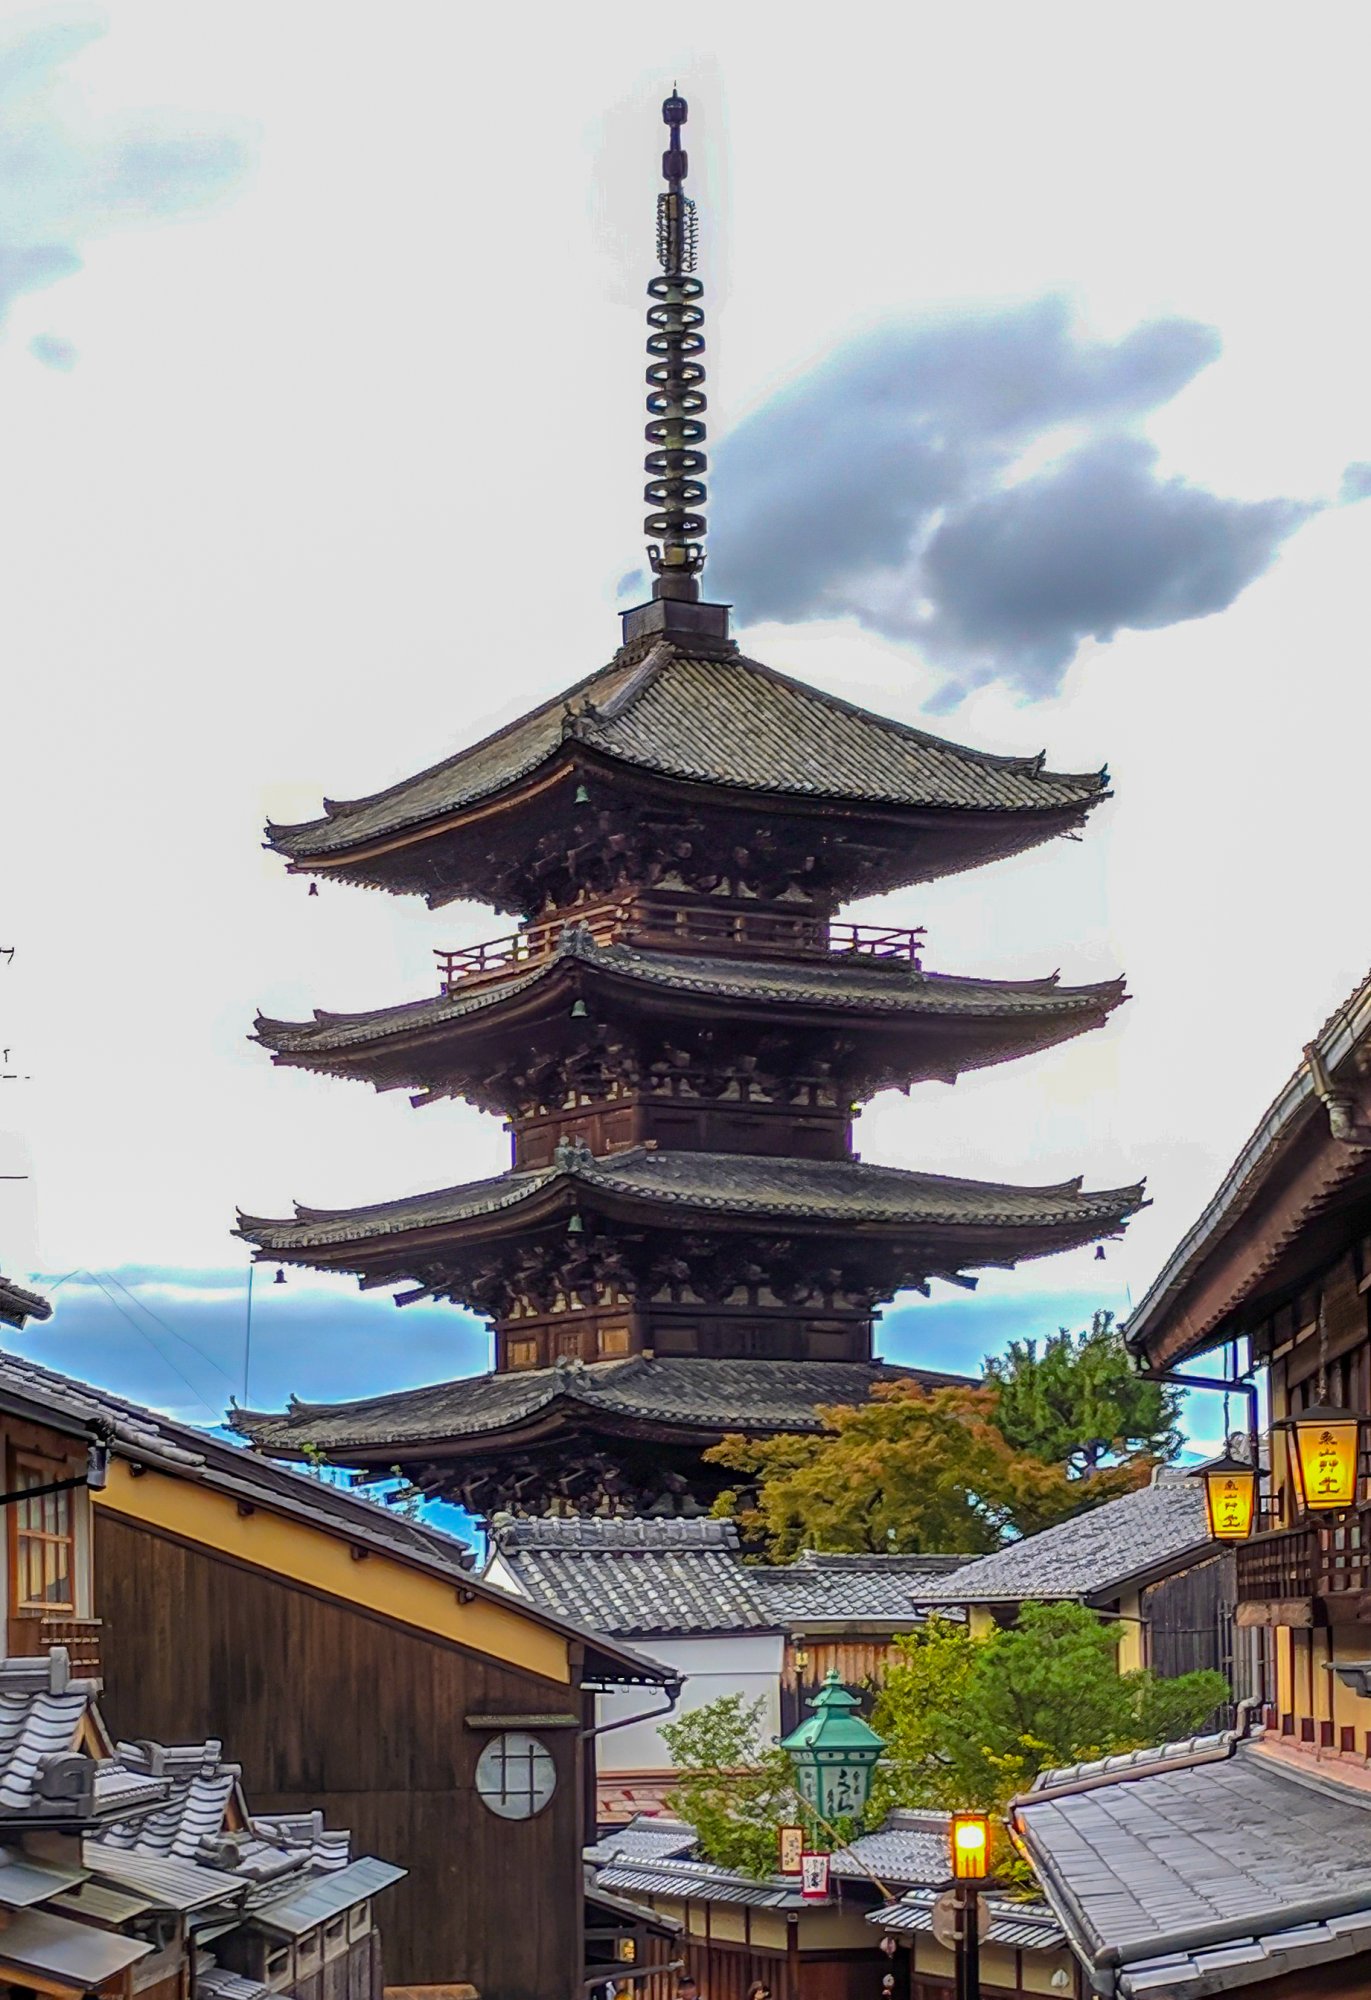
{"x": 969, "y": 1837}
{"x": 834, "y": 1753}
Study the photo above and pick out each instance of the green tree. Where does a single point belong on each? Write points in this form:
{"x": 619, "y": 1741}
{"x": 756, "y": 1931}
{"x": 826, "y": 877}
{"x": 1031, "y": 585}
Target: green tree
{"x": 913, "y": 1471}
{"x": 971, "y": 1722}
{"x": 1076, "y": 1401}
{"x": 732, "y": 1786}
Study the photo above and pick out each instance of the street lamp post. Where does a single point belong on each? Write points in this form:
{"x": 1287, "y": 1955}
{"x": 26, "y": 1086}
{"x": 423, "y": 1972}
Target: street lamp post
{"x": 970, "y": 1841}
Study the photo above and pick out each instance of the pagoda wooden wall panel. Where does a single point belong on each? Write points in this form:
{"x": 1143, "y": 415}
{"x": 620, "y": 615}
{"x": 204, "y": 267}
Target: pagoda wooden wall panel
{"x": 327, "y": 1707}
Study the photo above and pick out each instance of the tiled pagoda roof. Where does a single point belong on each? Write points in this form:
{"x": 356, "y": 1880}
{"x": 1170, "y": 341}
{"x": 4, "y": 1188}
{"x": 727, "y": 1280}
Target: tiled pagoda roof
{"x": 709, "y": 716}
{"x": 704, "y": 1396}
{"x": 18, "y": 1305}
{"x": 890, "y": 988}
{"x": 732, "y": 1185}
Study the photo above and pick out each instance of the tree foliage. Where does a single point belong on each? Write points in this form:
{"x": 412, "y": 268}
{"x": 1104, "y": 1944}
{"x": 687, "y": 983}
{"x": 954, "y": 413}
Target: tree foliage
{"x": 1077, "y": 1401}
{"x": 913, "y": 1471}
{"x": 971, "y": 1722}
{"x": 732, "y": 1786}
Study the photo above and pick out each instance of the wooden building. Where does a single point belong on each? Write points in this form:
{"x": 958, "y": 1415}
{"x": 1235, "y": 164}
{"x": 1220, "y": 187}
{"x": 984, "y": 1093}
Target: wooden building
{"x": 679, "y": 1034}
{"x": 361, "y": 1667}
{"x": 1244, "y": 1863}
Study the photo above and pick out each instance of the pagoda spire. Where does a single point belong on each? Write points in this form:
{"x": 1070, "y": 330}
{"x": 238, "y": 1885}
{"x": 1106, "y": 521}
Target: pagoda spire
{"x": 675, "y": 488}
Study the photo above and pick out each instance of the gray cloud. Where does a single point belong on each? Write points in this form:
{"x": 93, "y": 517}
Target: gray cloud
{"x": 67, "y": 179}
{"x": 886, "y": 485}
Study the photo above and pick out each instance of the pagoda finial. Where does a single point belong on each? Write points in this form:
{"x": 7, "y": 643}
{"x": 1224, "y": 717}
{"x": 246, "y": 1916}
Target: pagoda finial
{"x": 676, "y": 401}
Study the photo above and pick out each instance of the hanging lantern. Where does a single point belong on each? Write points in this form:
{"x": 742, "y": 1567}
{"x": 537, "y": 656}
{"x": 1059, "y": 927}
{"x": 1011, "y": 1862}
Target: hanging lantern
{"x": 280, "y": 1277}
{"x": 575, "y": 1226}
{"x": 1230, "y": 1496}
{"x": 834, "y": 1752}
{"x": 582, "y": 797}
{"x": 1323, "y": 1462}
{"x": 579, "y": 1011}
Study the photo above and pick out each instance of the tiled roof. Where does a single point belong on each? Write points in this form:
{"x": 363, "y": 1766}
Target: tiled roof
{"x": 671, "y": 1576}
{"x": 1159, "y": 1525}
{"x": 199, "y": 1787}
{"x": 694, "y": 1394}
{"x": 888, "y": 987}
{"x": 315, "y": 1902}
{"x": 724, "y": 721}
{"x": 44, "y": 1776}
{"x": 645, "y": 1839}
{"x": 739, "y": 1184}
{"x": 18, "y": 1305}
{"x": 908, "y": 1847}
{"x": 1214, "y": 1873}
{"x": 816, "y": 1589}
{"x": 635, "y": 1576}
{"x": 64, "y": 1954}
{"x": 1015, "y": 1926}
{"x": 700, "y": 1882}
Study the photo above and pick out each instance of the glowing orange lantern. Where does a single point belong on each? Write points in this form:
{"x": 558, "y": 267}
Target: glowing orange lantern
{"x": 1324, "y": 1460}
{"x": 970, "y": 1845}
{"x": 1230, "y": 1496}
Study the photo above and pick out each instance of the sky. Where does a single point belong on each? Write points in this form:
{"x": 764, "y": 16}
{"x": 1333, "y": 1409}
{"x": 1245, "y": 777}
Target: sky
{"x": 1038, "y": 414}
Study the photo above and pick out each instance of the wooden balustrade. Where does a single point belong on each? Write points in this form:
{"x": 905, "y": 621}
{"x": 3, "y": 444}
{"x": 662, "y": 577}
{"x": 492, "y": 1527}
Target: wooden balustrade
{"x": 731, "y": 928}
{"x": 1316, "y": 1559}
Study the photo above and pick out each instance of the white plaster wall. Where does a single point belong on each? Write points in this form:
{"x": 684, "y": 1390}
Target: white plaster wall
{"x": 746, "y": 1663}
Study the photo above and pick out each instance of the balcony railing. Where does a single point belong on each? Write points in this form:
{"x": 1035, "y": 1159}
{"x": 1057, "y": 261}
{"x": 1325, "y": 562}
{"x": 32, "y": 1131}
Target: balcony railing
{"x": 1313, "y": 1560}
{"x": 30, "y": 1637}
{"x": 731, "y": 928}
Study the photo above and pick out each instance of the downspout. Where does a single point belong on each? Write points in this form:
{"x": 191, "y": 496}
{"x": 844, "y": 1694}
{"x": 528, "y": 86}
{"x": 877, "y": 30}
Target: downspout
{"x": 672, "y": 1691}
{"x": 1343, "y": 1122}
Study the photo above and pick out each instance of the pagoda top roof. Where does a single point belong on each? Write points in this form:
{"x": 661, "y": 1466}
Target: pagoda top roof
{"x": 734, "y": 1185}
{"x": 690, "y": 1393}
{"x": 840, "y": 981}
{"x": 703, "y": 713}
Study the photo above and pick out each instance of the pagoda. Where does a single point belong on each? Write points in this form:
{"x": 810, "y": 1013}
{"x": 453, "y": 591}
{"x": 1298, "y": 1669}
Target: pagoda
{"x": 678, "y": 1032}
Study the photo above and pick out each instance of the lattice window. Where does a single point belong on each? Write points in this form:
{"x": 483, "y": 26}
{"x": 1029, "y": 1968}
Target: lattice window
{"x": 43, "y": 1541}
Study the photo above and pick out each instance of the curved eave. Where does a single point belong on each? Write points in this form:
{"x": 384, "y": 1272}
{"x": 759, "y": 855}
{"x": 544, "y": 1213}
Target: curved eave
{"x": 419, "y": 1045}
{"x": 555, "y": 1402}
{"x": 969, "y": 835}
{"x": 391, "y": 1241}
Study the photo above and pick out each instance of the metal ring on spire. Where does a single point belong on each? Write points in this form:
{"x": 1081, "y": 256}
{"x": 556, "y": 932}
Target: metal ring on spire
{"x": 676, "y": 400}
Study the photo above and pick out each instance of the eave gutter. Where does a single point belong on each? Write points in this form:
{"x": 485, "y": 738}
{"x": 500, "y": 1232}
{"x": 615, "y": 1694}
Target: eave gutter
{"x": 1344, "y": 1033}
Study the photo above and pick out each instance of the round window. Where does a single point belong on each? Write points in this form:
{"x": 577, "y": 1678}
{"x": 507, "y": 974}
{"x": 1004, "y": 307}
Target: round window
{"x": 515, "y": 1775}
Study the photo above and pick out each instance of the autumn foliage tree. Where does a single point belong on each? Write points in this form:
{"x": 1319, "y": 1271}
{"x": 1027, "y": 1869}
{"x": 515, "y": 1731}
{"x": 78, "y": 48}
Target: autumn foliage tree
{"x": 913, "y": 1471}
{"x": 958, "y": 1470}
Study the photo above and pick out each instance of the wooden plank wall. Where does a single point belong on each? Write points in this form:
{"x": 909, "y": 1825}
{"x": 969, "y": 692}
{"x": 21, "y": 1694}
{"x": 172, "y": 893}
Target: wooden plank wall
{"x": 326, "y": 1707}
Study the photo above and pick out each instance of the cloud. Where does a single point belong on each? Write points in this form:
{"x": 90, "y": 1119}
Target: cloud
{"x": 67, "y": 178}
{"x": 1356, "y": 482}
{"x": 53, "y": 351}
{"x": 978, "y": 485}
{"x": 176, "y": 1338}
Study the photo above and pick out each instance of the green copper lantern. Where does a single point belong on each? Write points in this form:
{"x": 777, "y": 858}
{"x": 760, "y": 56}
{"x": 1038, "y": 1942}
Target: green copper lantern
{"x": 834, "y": 1752}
